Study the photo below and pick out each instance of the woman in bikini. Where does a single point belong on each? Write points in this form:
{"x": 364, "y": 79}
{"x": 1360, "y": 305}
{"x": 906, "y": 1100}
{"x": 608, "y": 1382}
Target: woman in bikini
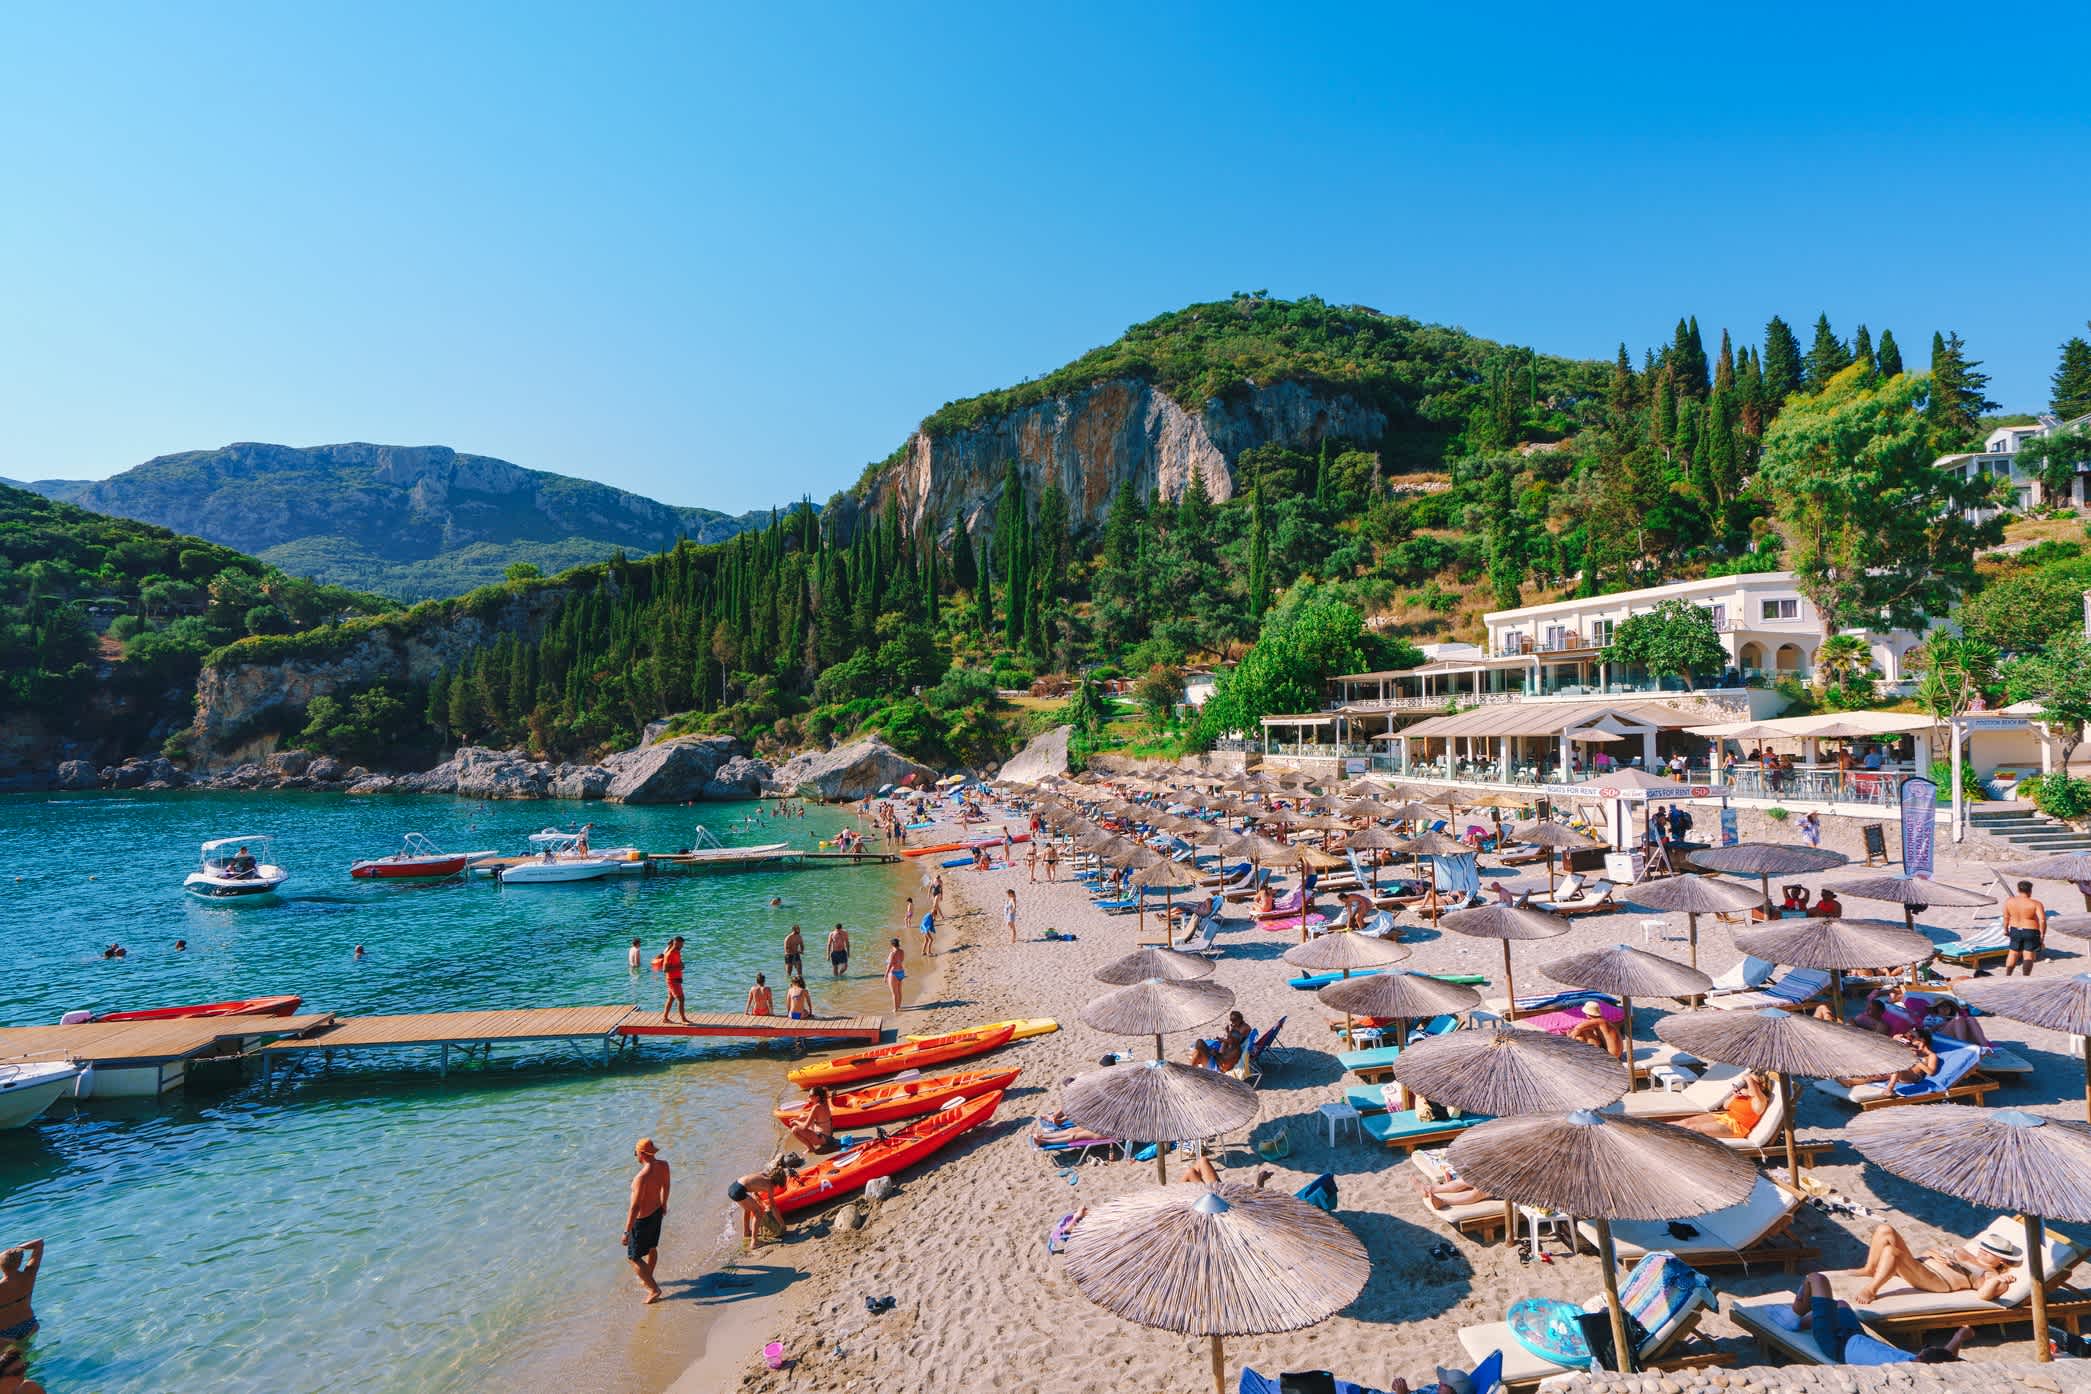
{"x": 896, "y": 970}
{"x": 1746, "y": 1107}
{"x": 1596, "y": 1031}
{"x": 816, "y": 1131}
{"x": 1234, "y": 1041}
{"x": 798, "y": 1003}
{"x": 1947, "y": 1019}
{"x": 1922, "y": 1068}
{"x": 1985, "y": 1268}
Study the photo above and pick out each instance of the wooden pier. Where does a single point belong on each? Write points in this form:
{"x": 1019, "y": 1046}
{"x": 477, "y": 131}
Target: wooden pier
{"x": 147, "y": 1058}
{"x": 605, "y": 1027}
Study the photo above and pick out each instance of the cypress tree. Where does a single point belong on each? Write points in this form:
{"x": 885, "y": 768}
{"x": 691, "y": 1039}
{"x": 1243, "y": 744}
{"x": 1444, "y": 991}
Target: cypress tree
{"x": 2071, "y": 383}
{"x": 1827, "y": 356}
{"x": 1862, "y": 350}
{"x": 1724, "y": 366}
{"x": 1958, "y": 395}
{"x": 1890, "y": 354}
{"x": 1782, "y": 363}
{"x": 1621, "y": 398}
{"x": 1688, "y": 359}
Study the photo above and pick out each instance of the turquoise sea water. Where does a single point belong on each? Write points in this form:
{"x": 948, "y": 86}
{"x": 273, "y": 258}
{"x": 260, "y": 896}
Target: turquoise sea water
{"x": 374, "y": 1227}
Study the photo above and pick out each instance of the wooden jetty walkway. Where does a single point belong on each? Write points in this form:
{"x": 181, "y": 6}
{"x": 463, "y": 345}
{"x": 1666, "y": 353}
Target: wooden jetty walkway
{"x": 148, "y": 1058}
{"x": 580, "y": 1026}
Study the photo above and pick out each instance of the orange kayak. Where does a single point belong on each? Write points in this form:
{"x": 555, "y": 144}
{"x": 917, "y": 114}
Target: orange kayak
{"x": 847, "y": 1172}
{"x": 901, "y": 1055}
{"x": 884, "y": 1103}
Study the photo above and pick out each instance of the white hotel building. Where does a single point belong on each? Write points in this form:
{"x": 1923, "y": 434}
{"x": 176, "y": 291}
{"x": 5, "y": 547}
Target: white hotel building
{"x": 1999, "y": 459}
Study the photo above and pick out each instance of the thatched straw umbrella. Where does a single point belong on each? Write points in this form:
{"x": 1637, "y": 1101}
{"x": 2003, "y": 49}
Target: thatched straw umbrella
{"x": 1994, "y": 1159}
{"x": 1157, "y": 1007}
{"x": 1169, "y": 876}
{"x": 1607, "y": 1168}
{"x": 1787, "y": 1044}
{"x": 1341, "y": 951}
{"x": 2063, "y": 866}
{"x": 1836, "y": 945}
{"x": 1696, "y": 896}
{"x": 1229, "y": 1260}
{"x": 2059, "y": 1004}
{"x": 1627, "y": 973}
{"x": 1432, "y": 845}
{"x": 1373, "y": 838}
{"x": 1765, "y": 860}
{"x": 1400, "y": 997}
{"x": 1158, "y": 1101}
{"x": 1509, "y": 923}
{"x": 1555, "y": 837}
{"x": 1142, "y": 964}
{"x": 1409, "y": 811}
{"x": 1367, "y": 788}
{"x": 1912, "y": 893}
{"x": 1507, "y": 1070}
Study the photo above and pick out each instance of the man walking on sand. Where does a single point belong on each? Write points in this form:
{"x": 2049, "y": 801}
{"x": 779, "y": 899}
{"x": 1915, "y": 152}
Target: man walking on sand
{"x": 643, "y": 1216}
{"x": 2025, "y": 922}
{"x": 1009, "y": 912}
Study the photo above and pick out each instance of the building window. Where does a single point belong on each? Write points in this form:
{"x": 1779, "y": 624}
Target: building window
{"x": 1782, "y": 610}
{"x": 1601, "y": 632}
{"x": 1720, "y": 616}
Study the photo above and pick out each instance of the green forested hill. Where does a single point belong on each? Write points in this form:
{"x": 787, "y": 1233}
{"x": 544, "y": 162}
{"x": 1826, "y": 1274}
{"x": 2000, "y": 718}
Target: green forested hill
{"x": 405, "y": 521}
{"x": 104, "y": 622}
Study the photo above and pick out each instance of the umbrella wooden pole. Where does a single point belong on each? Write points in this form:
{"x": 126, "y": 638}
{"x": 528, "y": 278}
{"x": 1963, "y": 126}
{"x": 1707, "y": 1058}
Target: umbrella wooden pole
{"x": 1161, "y": 1164}
{"x": 1610, "y": 1262}
{"x": 1837, "y": 994}
{"x": 1158, "y": 1045}
{"x": 2034, "y": 1235}
{"x": 1549, "y": 873}
{"x": 2087, "y": 1079}
{"x": 1626, "y": 1042}
{"x": 1793, "y": 1156}
{"x": 1509, "y": 986}
{"x": 1691, "y": 920}
{"x": 1219, "y": 1368}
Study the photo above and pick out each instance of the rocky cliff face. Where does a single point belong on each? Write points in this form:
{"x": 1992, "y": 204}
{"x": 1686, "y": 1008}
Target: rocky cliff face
{"x": 1093, "y": 441}
{"x": 234, "y": 699}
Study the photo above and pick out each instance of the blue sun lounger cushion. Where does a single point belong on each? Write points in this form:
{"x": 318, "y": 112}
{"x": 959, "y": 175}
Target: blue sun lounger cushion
{"x": 1320, "y": 1192}
{"x": 1377, "y": 1058}
{"x": 1253, "y": 1383}
{"x": 1393, "y": 1127}
{"x": 1955, "y": 1064}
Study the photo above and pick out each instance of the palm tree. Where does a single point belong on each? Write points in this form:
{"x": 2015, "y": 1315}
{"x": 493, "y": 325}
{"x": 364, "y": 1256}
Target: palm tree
{"x": 1842, "y": 659}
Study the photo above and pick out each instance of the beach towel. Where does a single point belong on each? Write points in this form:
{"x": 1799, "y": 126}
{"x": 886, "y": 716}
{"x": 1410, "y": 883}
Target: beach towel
{"x": 1562, "y": 1022}
{"x": 1661, "y": 1290}
{"x": 1568, "y": 999}
{"x": 1457, "y": 876}
{"x": 1956, "y": 1062}
{"x": 1320, "y": 1192}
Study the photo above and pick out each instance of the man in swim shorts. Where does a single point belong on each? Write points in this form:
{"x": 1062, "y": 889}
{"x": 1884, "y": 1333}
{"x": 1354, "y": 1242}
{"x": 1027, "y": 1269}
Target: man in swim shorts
{"x": 794, "y": 954}
{"x": 838, "y": 950}
{"x": 644, "y": 1214}
{"x": 2025, "y": 922}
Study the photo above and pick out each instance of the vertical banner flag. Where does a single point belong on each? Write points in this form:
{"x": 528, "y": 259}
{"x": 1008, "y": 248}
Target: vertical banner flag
{"x": 1920, "y": 825}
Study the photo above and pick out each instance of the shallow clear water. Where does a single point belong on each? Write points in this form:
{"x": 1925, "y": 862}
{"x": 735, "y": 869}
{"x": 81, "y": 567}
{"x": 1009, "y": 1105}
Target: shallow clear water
{"x": 373, "y": 1226}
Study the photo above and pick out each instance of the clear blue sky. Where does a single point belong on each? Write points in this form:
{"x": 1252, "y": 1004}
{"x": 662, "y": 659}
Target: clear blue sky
{"x": 726, "y": 258}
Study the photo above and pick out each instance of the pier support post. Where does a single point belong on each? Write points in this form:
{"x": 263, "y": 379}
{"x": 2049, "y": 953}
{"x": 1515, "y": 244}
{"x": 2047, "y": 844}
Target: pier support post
{"x": 443, "y": 1070}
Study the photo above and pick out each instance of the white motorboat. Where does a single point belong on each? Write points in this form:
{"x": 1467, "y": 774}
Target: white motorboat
{"x": 236, "y": 868}
{"x": 28, "y": 1087}
{"x": 564, "y": 856}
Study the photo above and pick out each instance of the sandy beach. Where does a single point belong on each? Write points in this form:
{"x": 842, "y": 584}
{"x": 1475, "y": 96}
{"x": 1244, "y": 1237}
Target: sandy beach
{"x": 961, "y": 1247}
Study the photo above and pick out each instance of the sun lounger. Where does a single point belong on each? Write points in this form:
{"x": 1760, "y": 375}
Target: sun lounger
{"x": 2004, "y": 1065}
{"x": 1079, "y": 1149}
{"x": 1752, "y": 1234}
{"x": 1797, "y": 987}
{"x": 1536, "y": 1003}
{"x": 1956, "y": 1078}
{"x": 1899, "y": 1312}
{"x": 1747, "y": 976}
{"x": 1523, "y": 854}
{"x": 1246, "y": 890}
{"x": 1482, "y": 1219}
{"x": 1370, "y": 1065}
{"x": 1260, "y": 1056}
{"x": 1765, "y": 1319}
{"x": 1597, "y": 897}
{"x": 1485, "y": 1378}
{"x": 1663, "y": 1293}
{"x": 1408, "y": 1132}
{"x": 1987, "y": 943}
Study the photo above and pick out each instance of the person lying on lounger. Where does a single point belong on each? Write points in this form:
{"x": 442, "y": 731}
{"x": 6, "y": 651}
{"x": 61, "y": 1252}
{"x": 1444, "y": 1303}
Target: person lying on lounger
{"x": 1836, "y": 1329}
{"x": 1453, "y": 1192}
{"x": 1920, "y": 1069}
{"x": 1947, "y": 1018}
{"x": 1058, "y": 1129}
{"x": 1984, "y": 1268}
{"x": 1744, "y": 1109}
{"x": 1596, "y": 1031}
{"x": 1202, "y": 1171}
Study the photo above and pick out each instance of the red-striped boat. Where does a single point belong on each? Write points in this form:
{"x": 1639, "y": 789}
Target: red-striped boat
{"x": 247, "y": 1006}
{"x": 417, "y": 859}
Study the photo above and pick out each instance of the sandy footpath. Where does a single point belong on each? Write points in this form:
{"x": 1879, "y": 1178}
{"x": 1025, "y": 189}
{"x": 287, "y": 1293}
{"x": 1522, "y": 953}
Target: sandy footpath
{"x": 961, "y": 1247}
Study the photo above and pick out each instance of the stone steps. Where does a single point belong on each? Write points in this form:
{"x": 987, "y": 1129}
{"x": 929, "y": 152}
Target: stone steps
{"x": 2030, "y": 829}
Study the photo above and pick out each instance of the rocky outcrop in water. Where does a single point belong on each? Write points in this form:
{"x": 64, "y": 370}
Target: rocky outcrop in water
{"x": 1093, "y": 441}
{"x": 742, "y": 777}
{"x": 848, "y": 772}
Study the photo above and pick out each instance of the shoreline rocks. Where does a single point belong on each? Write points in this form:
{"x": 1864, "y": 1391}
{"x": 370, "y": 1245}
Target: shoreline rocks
{"x": 848, "y": 772}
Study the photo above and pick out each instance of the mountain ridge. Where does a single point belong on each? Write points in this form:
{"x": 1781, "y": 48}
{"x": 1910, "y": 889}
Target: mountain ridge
{"x": 407, "y": 521}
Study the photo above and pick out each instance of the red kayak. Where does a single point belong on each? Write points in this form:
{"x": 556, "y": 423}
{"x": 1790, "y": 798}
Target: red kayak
{"x": 848, "y": 1172}
{"x": 252, "y": 1006}
{"x": 889, "y": 1103}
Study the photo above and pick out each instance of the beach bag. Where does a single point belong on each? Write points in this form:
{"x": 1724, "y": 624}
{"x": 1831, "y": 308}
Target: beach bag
{"x": 1597, "y": 1335}
{"x": 1306, "y": 1382}
{"x": 1320, "y": 1192}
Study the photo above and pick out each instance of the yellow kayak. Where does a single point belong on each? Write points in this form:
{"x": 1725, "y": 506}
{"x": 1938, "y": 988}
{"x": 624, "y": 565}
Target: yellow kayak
{"x": 1021, "y": 1029}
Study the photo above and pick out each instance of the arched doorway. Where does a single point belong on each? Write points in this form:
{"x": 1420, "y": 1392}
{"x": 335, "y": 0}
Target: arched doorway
{"x": 1751, "y": 657}
{"x": 1789, "y": 660}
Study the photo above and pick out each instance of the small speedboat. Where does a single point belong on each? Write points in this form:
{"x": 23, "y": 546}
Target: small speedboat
{"x": 231, "y": 869}
{"x": 416, "y": 859}
{"x": 27, "y": 1087}
{"x": 250, "y": 1006}
{"x": 564, "y": 856}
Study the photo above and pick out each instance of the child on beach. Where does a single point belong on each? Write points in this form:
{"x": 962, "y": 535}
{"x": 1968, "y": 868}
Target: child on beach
{"x": 1009, "y": 912}
{"x": 929, "y": 932}
{"x": 671, "y": 964}
{"x": 756, "y": 1195}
